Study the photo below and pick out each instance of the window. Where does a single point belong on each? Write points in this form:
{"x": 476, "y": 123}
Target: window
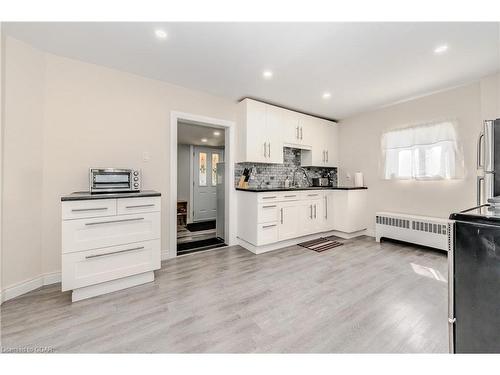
{"x": 425, "y": 152}
{"x": 215, "y": 160}
{"x": 203, "y": 169}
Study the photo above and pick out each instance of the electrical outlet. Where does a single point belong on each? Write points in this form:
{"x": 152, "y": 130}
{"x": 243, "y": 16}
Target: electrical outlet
{"x": 145, "y": 156}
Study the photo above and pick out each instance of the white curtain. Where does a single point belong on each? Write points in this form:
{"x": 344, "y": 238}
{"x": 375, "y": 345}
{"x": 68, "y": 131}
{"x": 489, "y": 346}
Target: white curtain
{"x": 424, "y": 152}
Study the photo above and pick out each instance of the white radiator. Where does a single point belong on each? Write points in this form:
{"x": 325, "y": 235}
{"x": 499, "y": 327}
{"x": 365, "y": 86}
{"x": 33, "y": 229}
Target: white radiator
{"x": 422, "y": 230}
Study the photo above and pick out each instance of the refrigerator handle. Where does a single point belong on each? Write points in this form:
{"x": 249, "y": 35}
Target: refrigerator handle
{"x": 451, "y": 294}
{"x": 480, "y": 150}
{"x": 479, "y": 179}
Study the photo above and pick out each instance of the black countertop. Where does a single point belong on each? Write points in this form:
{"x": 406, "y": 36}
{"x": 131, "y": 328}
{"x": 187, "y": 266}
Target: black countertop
{"x": 263, "y": 190}
{"x": 85, "y": 195}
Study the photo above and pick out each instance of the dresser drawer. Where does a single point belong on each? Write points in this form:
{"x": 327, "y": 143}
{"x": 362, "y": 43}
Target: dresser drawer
{"x": 94, "y": 233}
{"x": 88, "y": 208}
{"x": 126, "y": 206}
{"x": 267, "y": 212}
{"x": 91, "y": 267}
{"x": 267, "y": 233}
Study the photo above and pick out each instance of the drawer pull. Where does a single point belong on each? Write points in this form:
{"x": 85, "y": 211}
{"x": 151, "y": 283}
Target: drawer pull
{"x": 312, "y": 195}
{"x": 89, "y": 209}
{"x": 290, "y": 196}
{"x": 140, "y": 205}
{"x": 271, "y": 197}
{"x": 268, "y": 226}
{"x": 115, "y": 221}
{"x": 269, "y": 206}
{"x": 114, "y": 252}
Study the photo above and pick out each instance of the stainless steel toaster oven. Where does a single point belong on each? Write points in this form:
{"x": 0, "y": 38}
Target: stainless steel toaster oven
{"x": 113, "y": 180}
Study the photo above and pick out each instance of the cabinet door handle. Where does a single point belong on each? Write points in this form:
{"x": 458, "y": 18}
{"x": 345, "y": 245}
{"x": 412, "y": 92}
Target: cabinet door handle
{"x": 281, "y": 216}
{"x": 268, "y": 226}
{"x": 140, "y": 205}
{"x": 301, "y": 133}
{"x": 89, "y": 209}
{"x": 114, "y": 252}
{"x": 269, "y": 148}
{"x": 315, "y": 211}
{"x": 265, "y": 149}
{"x": 311, "y": 211}
{"x": 269, "y": 206}
{"x": 326, "y": 207}
{"x": 297, "y": 132}
{"x": 115, "y": 221}
{"x": 327, "y": 156}
{"x": 324, "y": 156}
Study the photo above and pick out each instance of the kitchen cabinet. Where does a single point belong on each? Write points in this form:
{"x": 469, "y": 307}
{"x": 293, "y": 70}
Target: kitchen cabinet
{"x": 268, "y": 219}
{"x": 349, "y": 210}
{"x": 324, "y": 145}
{"x": 288, "y": 223}
{"x": 265, "y": 129}
{"x": 260, "y": 136}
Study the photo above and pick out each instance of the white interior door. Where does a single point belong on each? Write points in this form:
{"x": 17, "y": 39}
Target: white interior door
{"x": 205, "y": 182}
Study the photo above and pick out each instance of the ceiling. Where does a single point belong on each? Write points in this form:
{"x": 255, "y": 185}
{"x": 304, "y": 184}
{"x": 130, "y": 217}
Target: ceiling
{"x": 192, "y": 134}
{"x": 362, "y": 65}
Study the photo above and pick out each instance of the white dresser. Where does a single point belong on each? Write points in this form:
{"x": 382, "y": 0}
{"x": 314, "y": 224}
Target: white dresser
{"x": 109, "y": 242}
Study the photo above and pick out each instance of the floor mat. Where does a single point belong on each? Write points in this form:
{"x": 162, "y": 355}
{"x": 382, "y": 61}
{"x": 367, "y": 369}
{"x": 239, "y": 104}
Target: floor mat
{"x": 202, "y": 225}
{"x": 189, "y": 247}
{"x": 321, "y": 244}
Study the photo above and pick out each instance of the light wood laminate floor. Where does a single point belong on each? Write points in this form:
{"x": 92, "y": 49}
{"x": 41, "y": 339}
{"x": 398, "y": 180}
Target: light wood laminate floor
{"x": 359, "y": 297}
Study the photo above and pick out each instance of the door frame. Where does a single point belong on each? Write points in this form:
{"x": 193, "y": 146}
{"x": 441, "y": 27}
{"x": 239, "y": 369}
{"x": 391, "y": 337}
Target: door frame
{"x": 229, "y": 157}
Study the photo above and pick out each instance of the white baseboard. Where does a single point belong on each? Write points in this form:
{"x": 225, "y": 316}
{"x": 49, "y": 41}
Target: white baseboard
{"x": 29, "y": 285}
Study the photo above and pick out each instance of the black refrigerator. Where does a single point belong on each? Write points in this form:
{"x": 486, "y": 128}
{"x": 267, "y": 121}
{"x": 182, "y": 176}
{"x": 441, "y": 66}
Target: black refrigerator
{"x": 474, "y": 281}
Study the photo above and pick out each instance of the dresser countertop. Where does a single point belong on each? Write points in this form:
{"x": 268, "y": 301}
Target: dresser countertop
{"x": 85, "y": 195}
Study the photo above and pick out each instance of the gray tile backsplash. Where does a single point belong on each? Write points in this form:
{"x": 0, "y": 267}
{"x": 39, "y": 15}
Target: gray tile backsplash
{"x": 274, "y": 175}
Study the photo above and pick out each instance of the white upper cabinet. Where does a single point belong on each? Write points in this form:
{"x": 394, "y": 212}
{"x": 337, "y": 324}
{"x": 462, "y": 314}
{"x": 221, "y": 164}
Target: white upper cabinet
{"x": 265, "y": 129}
{"x": 324, "y": 145}
{"x": 260, "y": 136}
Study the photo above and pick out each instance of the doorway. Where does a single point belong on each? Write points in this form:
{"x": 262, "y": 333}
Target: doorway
{"x": 200, "y": 187}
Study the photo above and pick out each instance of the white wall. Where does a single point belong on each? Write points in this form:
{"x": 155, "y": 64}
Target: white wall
{"x": 65, "y": 117}
{"x": 183, "y": 172}
{"x": 360, "y": 151}
{"x": 23, "y": 163}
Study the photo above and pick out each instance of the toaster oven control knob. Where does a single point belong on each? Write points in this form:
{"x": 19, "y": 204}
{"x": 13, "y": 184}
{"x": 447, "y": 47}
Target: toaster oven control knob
{"x": 136, "y": 173}
{"x": 136, "y": 185}
{"x": 136, "y": 178}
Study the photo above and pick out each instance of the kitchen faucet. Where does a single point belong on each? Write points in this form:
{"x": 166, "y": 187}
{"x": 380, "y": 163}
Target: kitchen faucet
{"x": 305, "y": 174}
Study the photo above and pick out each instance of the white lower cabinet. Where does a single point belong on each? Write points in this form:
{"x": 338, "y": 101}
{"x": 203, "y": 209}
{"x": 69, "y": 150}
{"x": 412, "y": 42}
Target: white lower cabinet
{"x": 269, "y": 218}
{"x": 104, "y": 253}
{"x": 288, "y": 224}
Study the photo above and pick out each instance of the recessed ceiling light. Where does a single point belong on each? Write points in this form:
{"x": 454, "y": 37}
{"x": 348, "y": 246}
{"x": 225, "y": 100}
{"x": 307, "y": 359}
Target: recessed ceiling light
{"x": 326, "y": 95}
{"x": 216, "y": 133}
{"x": 204, "y": 140}
{"x": 267, "y": 74}
{"x": 441, "y": 49}
{"x": 161, "y": 34}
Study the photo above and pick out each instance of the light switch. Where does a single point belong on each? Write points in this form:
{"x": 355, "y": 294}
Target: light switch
{"x": 145, "y": 156}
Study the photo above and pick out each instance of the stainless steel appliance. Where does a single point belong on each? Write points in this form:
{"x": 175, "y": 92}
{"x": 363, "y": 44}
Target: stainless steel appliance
{"x": 320, "y": 181}
{"x": 113, "y": 180}
{"x": 474, "y": 280}
{"x": 488, "y": 161}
